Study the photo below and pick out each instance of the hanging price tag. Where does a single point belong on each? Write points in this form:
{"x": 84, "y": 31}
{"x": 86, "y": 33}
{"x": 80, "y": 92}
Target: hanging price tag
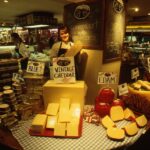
{"x": 135, "y": 73}
{"x": 122, "y": 89}
{"x": 107, "y": 78}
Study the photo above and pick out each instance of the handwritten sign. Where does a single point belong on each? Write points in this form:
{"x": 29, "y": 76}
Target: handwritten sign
{"x": 135, "y": 73}
{"x": 64, "y": 70}
{"x": 17, "y": 77}
{"x": 36, "y": 67}
{"x": 123, "y": 89}
{"x": 107, "y": 78}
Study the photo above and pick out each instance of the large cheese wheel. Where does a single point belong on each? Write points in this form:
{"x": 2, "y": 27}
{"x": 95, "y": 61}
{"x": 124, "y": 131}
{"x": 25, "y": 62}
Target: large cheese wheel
{"x": 115, "y": 133}
{"x": 107, "y": 122}
{"x": 131, "y": 129}
{"x": 116, "y": 113}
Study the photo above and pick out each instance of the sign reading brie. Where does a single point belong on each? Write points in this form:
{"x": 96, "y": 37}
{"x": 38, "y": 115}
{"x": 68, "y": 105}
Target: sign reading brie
{"x": 107, "y": 78}
{"x": 36, "y": 67}
{"x": 64, "y": 70}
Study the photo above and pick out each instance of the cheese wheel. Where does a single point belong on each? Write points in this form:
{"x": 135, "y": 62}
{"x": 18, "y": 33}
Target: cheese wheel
{"x": 128, "y": 114}
{"x": 107, "y": 122}
{"x": 116, "y": 113}
{"x": 141, "y": 121}
{"x": 131, "y": 129}
{"x": 115, "y": 133}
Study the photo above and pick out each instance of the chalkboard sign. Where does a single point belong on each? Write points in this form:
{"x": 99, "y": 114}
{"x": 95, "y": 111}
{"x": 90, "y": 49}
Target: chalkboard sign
{"x": 86, "y": 23}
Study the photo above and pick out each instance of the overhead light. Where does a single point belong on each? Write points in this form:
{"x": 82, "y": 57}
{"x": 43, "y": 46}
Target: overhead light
{"x": 148, "y": 14}
{"x": 136, "y": 9}
{"x": 5, "y": 1}
{"x": 37, "y": 26}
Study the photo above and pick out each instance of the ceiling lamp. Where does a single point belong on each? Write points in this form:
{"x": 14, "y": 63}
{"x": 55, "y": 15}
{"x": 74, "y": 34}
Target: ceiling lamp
{"x": 36, "y": 26}
{"x": 136, "y": 9}
{"x": 5, "y": 1}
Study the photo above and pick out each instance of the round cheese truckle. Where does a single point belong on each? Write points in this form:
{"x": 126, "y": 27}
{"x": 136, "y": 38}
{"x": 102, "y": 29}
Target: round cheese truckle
{"x": 141, "y": 121}
{"x": 131, "y": 129}
{"x": 107, "y": 122}
{"x": 128, "y": 114}
{"x": 115, "y": 133}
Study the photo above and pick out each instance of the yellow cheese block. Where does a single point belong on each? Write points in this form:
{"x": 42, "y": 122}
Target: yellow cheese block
{"x": 72, "y": 129}
{"x": 131, "y": 129}
{"x": 52, "y": 109}
{"x": 52, "y": 92}
{"x": 115, "y": 133}
{"x": 107, "y": 122}
{"x": 116, "y": 113}
{"x": 75, "y": 110}
{"x": 51, "y": 121}
{"x": 141, "y": 121}
{"x": 64, "y": 115}
{"x": 39, "y": 122}
{"x": 128, "y": 114}
{"x": 60, "y": 129}
{"x": 65, "y": 103}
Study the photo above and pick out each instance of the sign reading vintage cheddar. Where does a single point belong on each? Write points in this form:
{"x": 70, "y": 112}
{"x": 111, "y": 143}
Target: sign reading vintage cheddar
{"x": 64, "y": 70}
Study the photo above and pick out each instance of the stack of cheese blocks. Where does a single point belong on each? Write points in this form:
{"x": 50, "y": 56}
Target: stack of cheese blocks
{"x": 117, "y": 114}
{"x": 63, "y": 118}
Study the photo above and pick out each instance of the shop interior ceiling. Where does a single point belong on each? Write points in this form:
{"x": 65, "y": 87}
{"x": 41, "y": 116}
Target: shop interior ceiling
{"x": 9, "y": 11}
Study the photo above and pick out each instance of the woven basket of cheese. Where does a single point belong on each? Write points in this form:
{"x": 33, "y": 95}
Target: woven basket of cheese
{"x": 138, "y": 98}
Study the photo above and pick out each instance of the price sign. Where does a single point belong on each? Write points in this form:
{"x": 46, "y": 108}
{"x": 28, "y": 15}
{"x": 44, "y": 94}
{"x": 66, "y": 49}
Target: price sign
{"x": 64, "y": 70}
{"x": 135, "y": 73}
{"x": 17, "y": 77}
{"x": 35, "y": 67}
{"x": 107, "y": 78}
{"x": 123, "y": 89}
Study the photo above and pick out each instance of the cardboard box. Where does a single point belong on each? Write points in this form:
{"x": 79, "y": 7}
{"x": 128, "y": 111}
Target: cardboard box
{"x": 52, "y": 92}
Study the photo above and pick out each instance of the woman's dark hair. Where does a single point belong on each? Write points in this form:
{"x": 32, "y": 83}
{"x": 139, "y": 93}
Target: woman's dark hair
{"x": 16, "y": 36}
{"x": 66, "y": 30}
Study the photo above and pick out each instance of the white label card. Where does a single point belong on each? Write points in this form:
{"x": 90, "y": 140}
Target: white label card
{"x": 64, "y": 70}
{"x": 36, "y": 67}
{"x": 107, "y": 78}
{"x": 135, "y": 73}
{"x": 122, "y": 89}
{"x": 17, "y": 77}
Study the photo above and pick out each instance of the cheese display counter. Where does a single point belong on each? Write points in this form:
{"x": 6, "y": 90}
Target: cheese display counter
{"x": 93, "y": 138}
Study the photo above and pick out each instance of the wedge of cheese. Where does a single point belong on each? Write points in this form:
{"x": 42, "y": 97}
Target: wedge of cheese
{"x": 51, "y": 121}
{"x": 72, "y": 129}
{"x": 38, "y": 123}
{"x": 107, "y": 122}
{"x": 131, "y": 129}
{"x": 115, "y": 133}
{"x": 141, "y": 121}
{"x": 128, "y": 114}
{"x": 52, "y": 109}
{"x": 60, "y": 129}
{"x": 116, "y": 113}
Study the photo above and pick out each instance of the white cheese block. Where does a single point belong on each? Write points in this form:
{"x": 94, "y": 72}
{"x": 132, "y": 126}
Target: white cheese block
{"x": 72, "y": 129}
{"x": 39, "y": 122}
{"x": 52, "y": 109}
{"x": 128, "y": 114}
{"x": 60, "y": 129}
{"x": 131, "y": 129}
{"x": 115, "y": 133}
{"x": 51, "y": 121}
{"x": 141, "y": 121}
{"x": 116, "y": 113}
{"x": 107, "y": 122}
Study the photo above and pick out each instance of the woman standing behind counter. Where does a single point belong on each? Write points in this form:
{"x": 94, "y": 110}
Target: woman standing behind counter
{"x": 60, "y": 48}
